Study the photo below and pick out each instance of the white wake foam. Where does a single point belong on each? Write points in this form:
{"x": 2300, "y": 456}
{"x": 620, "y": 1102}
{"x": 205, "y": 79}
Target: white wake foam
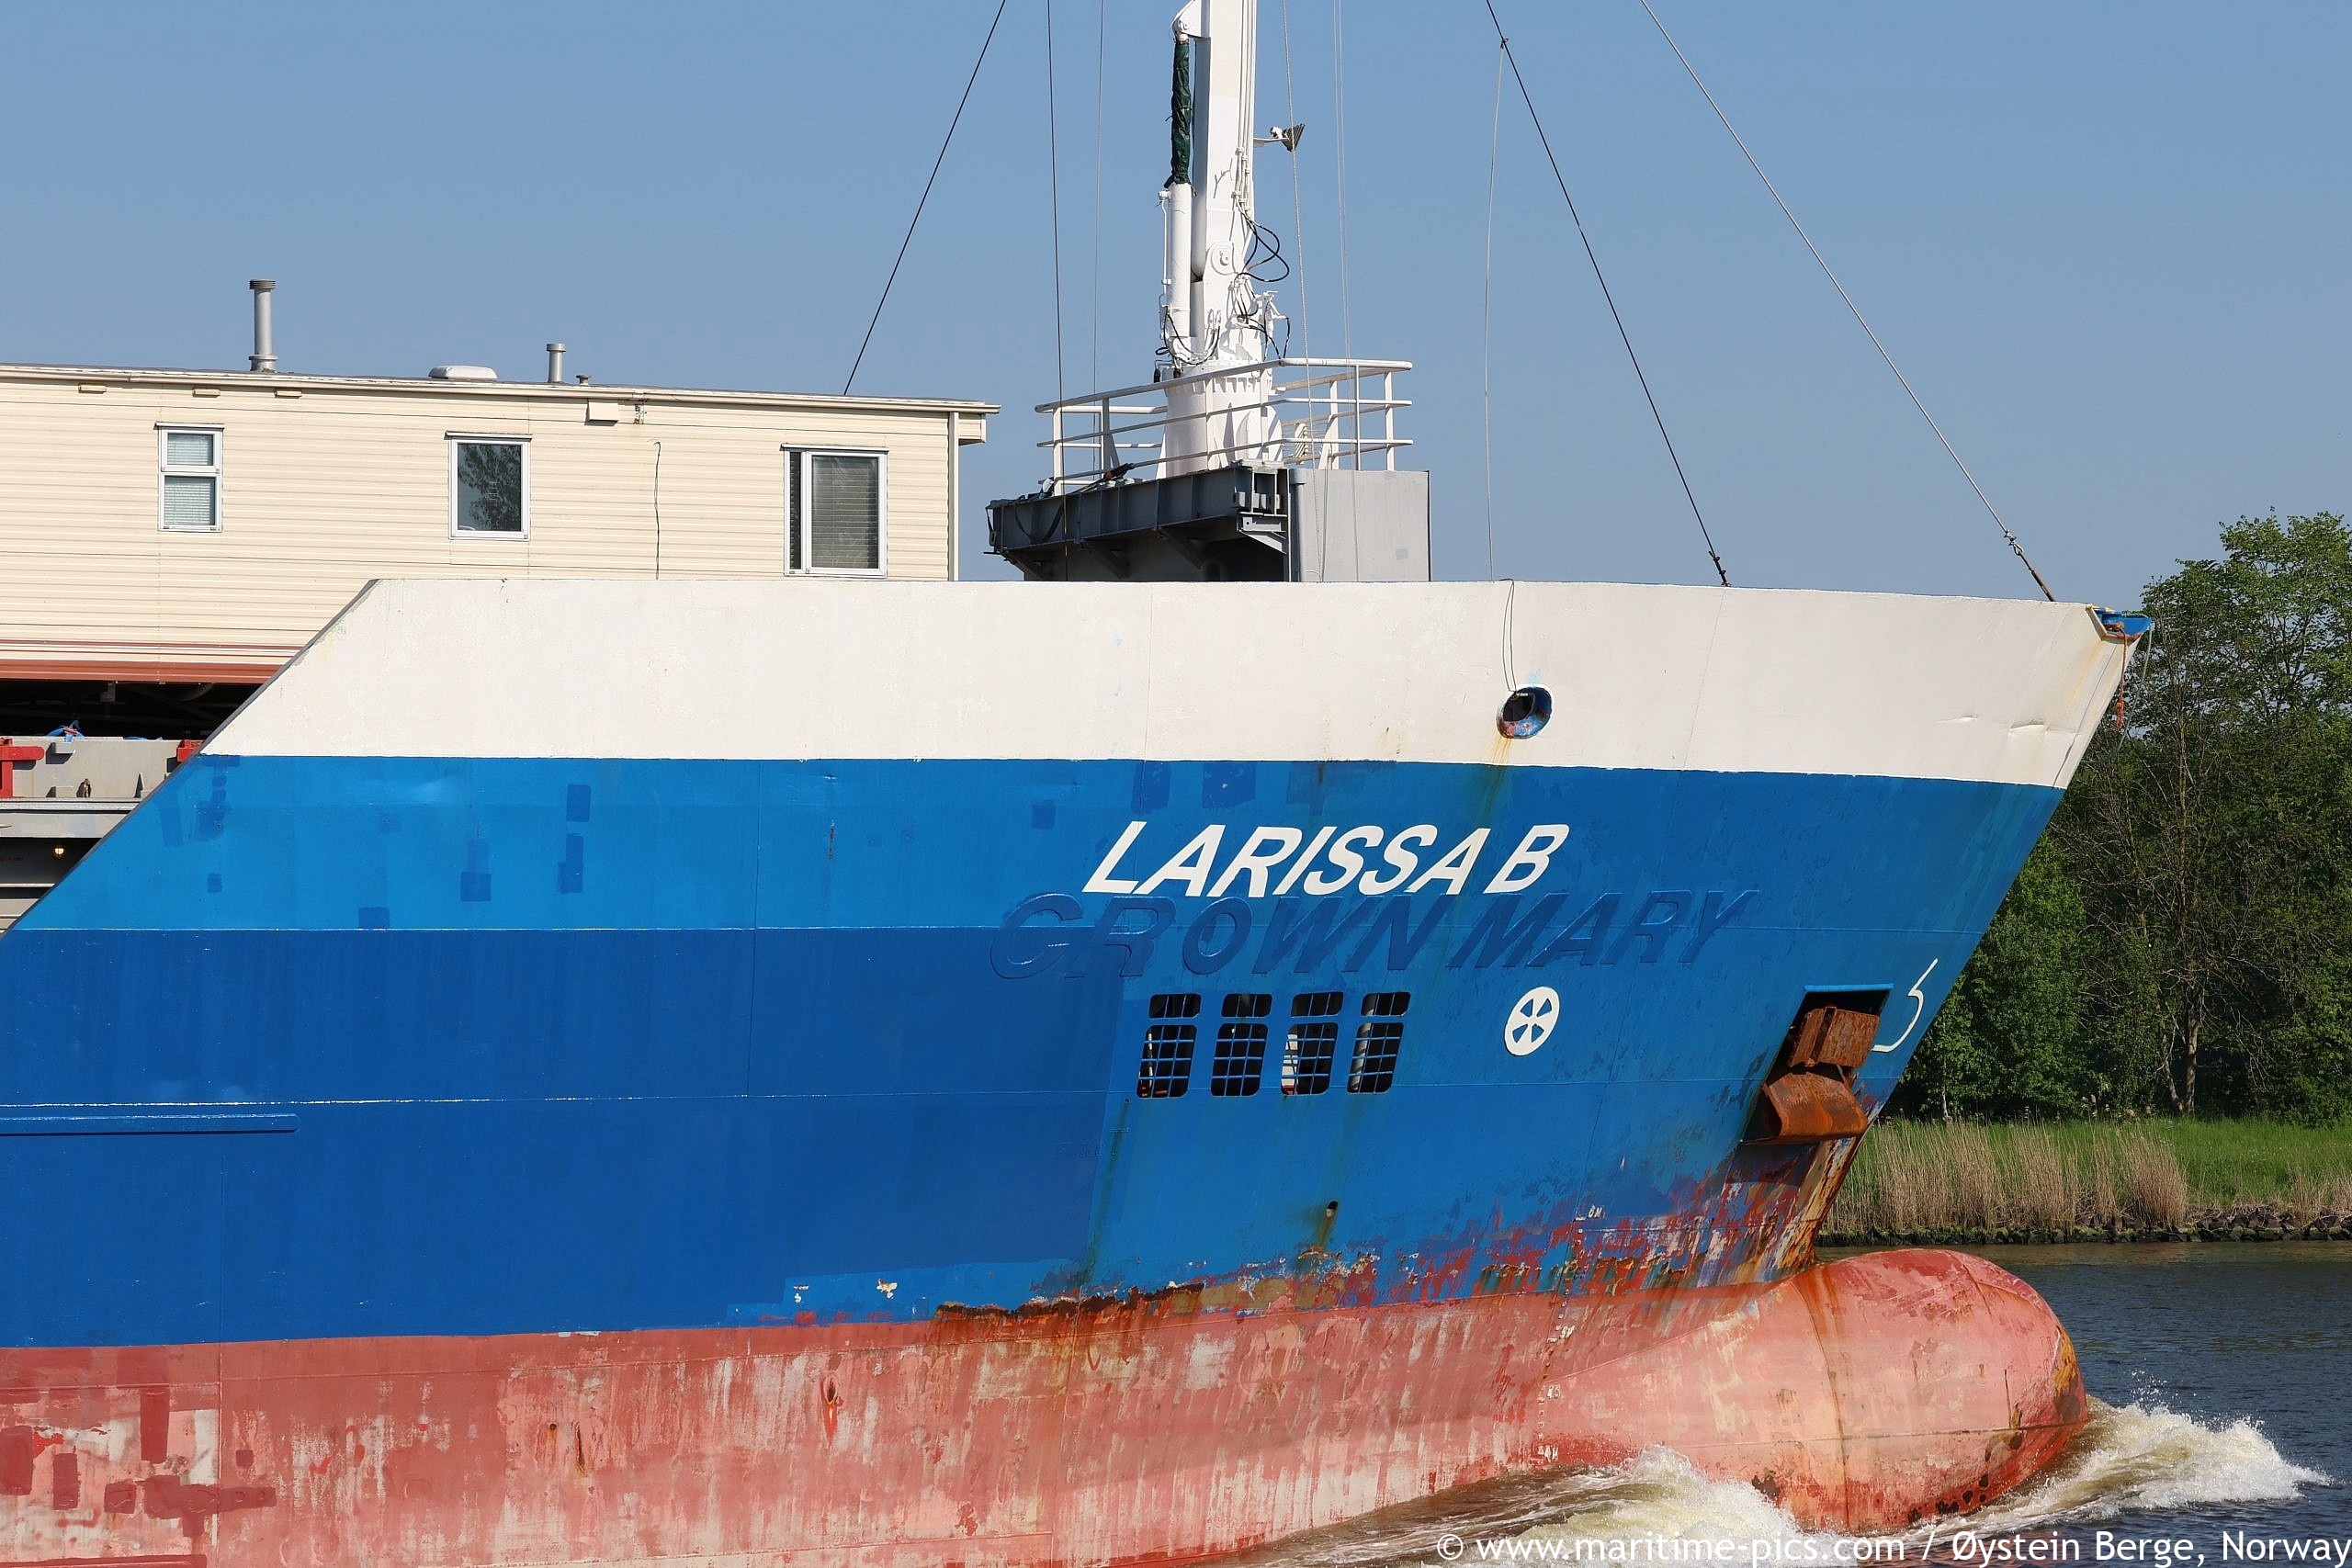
{"x": 1656, "y": 1499}
{"x": 2145, "y": 1458}
{"x": 2130, "y": 1459}
{"x": 1660, "y": 1498}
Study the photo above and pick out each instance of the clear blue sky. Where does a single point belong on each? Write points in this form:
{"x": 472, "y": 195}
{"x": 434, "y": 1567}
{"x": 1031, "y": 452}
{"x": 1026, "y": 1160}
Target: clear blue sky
{"x": 2110, "y": 243}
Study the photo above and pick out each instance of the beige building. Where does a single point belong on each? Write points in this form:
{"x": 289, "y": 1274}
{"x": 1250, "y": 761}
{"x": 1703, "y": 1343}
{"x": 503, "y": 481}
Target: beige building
{"x": 172, "y": 527}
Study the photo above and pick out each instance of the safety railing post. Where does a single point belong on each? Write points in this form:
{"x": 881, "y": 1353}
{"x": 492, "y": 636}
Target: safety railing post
{"x": 1326, "y": 395}
{"x": 1332, "y": 440}
{"x": 1388, "y": 415}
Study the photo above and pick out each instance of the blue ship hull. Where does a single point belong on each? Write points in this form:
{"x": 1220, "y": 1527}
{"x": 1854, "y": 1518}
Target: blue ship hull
{"x": 432, "y": 1069}
{"x": 532, "y": 1045}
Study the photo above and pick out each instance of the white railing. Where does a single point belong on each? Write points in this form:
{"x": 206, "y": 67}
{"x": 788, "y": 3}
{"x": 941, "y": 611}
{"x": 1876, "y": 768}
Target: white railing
{"x": 1323, "y": 411}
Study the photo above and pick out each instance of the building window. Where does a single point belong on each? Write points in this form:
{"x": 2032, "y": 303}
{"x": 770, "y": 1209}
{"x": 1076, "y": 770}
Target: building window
{"x": 1167, "y": 1069}
{"x": 188, "y": 459}
{"x": 1313, "y": 1041}
{"x": 832, "y": 509}
{"x": 1240, "y": 1044}
{"x": 490, "y": 487}
{"x": 1378, "y": 1038}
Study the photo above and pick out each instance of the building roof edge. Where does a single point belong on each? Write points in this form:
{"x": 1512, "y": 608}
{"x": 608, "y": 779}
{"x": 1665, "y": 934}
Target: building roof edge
{"x": 266, "y": 380}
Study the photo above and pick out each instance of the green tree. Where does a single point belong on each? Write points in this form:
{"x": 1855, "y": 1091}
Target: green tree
{"x": 2210, "y": 836}
{"x": 2181, "y": 940}
{"x": 2010, "y": 1039}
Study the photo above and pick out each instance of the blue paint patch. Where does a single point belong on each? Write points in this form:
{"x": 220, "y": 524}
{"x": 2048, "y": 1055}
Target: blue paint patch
{"x": 1228, "y": 785}
{"x": 570, "y": 873}
{"x": 575, "y": 803}
{"x": 473, "y": 883}
{"x": 212, "y": 882}
{"x": 1151, "y": 787}
{"x": 1041, "y": 814}
{"x": 212, "y": 811}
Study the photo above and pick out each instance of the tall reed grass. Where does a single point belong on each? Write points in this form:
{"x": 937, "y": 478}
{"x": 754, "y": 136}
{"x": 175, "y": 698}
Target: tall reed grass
{"x": 1927, "y": 1177}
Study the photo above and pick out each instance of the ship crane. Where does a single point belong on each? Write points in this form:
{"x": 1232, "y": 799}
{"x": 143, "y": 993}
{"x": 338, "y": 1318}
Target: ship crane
{"x": 1235, "y": 461}
{"x": 1215, "y": 329}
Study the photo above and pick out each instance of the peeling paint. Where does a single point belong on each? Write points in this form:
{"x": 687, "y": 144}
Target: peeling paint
{"x": 1080, "y": 1431}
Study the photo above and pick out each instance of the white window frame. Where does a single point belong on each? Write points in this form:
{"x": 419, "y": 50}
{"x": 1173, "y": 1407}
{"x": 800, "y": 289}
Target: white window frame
{"x": 457, "y": 438}
{"x": 800, "y": 454}
{"x": 165, "y": 468}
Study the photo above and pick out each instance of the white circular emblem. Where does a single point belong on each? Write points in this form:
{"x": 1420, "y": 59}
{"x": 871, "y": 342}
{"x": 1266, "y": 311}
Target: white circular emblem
{"x": 1532, "y": 1020}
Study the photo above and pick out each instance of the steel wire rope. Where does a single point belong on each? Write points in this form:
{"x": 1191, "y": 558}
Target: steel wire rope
{"x": 1053, "y": 203}
{"x": 1487, "y": 386}
{"x": 1487, "y": 314}
{"x": 1511, "y": 635}
{"x": 1591, "y": 256}
{"x": 1347, "y": 317}
{"x": 944, "y": 142}
{"x": 2007, "y": 532}
{"x": 1094, "y": 332}
{"x": 1297, "y": 203}
{"x": 1298, "y": 238}
{"x": 1339, "y": 172}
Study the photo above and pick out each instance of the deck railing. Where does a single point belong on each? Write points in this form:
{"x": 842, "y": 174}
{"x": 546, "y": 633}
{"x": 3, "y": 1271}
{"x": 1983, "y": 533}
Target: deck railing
{"x": 1324, "y": 408}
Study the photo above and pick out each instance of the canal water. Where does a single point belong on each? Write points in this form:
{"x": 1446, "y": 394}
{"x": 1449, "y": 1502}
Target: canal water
{"x": 2222, "y": 1374}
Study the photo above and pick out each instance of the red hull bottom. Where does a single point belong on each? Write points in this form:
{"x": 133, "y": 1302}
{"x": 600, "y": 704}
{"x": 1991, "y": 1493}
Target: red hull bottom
{"x": 1863, "y": 1394}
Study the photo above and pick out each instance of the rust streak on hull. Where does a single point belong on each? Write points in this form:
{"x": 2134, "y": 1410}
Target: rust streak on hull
{"x": 1863, "y": 1394}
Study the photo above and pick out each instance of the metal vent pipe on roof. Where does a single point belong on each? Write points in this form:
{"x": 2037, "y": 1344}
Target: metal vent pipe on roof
{"x": 264, "y": 356}
{"x": 555, "y": 363}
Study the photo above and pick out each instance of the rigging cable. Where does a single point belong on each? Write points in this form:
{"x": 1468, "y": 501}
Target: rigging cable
{"x": 1994, "y": 512}
{"x": 1346, "y": 321}
{"x": 1622, "y": 337}
{"x": 1298, "y": 205}
{"x": 1094, "y": 333}
{"x": 1486, "y": 314}
{"x": 1053, "y": 201}
{"x": 1305, "y": 330}
{"x": 943, "y": 144}
{"x": 1339, "y": 161}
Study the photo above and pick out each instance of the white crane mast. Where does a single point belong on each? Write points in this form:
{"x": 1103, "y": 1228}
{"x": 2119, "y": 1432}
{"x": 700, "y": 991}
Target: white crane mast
{"x": 1233, "y": 463}
{"x": 1216, "y": 328}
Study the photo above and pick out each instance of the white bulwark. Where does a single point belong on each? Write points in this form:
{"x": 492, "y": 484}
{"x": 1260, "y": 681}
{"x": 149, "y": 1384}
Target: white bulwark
{"x": 2005, "y": 690}
{"x": 198, "y": 526}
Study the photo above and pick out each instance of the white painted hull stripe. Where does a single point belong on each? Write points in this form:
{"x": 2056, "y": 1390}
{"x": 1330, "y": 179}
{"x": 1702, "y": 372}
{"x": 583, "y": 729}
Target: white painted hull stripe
{"x": 1739, "y": 680}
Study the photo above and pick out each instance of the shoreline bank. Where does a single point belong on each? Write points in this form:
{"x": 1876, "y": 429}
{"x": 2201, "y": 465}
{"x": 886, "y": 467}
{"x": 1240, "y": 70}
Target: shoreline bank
{"x": 2257, "y": 1222}
{"x": 1948, "y": 1183}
